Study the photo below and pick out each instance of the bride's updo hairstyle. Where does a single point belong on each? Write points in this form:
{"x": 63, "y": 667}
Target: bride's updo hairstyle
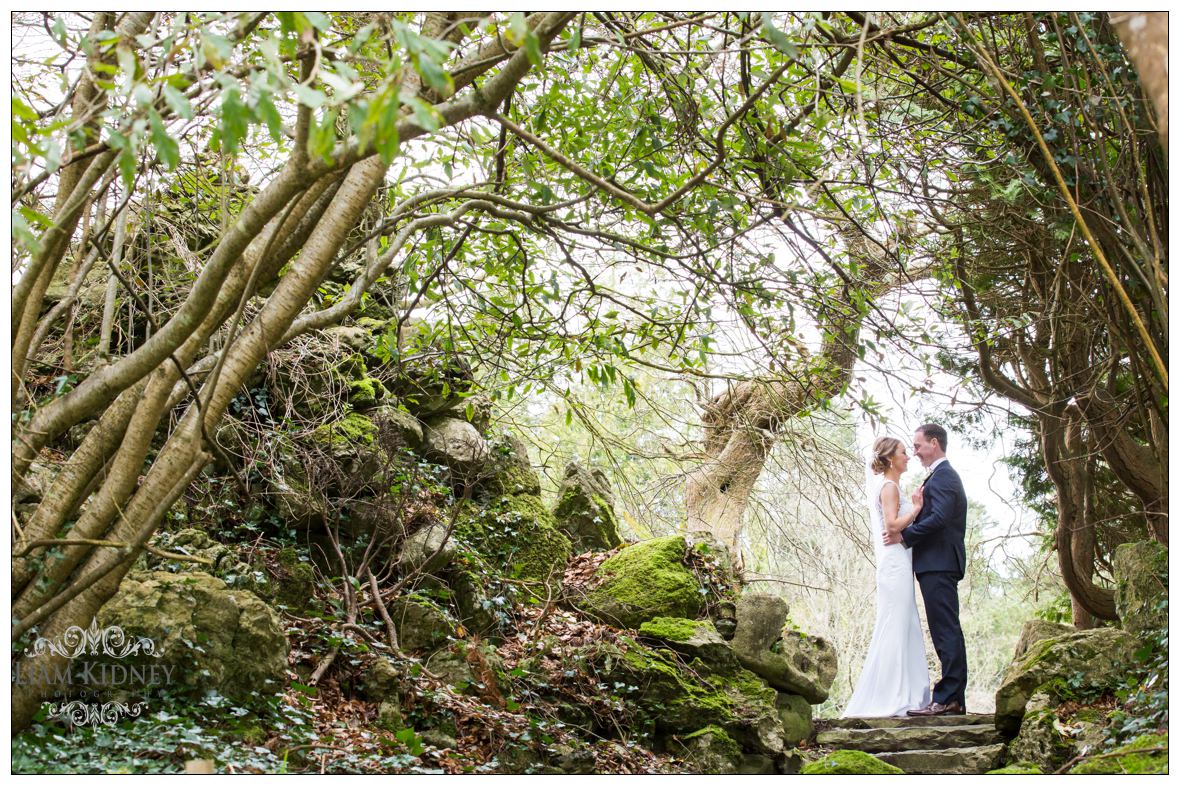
{"x": 883, "y": 450}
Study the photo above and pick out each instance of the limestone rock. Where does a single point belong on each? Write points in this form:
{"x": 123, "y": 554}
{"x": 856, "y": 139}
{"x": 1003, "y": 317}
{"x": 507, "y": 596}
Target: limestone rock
{"x": 760, "y": 620}
{"x": 422, "y": 625}
{"x": 1036, "y": 630}
{"x": 382, "y": 680}
{"x": 585, "y": 509}
{"x": 709, "y": 751}
{"x": 644, "y": 581}
{"x": 349, "y": 336}
{"x": 215, "y": 637}
{"x": 681, "y": 697}
{"x": 795, "y": 713}
{"x": 455, "y": 443}
{"x": 1098, "y": 654}
{"x": 508, "y": 470}
{"x": 1041, "y": 740}
{"x": 1141, "y": 583}
{"x": 692, "y": 639}
{"x": 428, "y": 549}
{"x": 790, "y": 661}
{"x": 402, "y": 423}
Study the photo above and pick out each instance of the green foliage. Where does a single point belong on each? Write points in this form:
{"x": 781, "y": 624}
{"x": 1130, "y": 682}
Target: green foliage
{"x": 171, "y": 731}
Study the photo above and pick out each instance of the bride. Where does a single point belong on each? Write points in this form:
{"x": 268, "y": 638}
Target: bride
{"x": 895, "y": 677}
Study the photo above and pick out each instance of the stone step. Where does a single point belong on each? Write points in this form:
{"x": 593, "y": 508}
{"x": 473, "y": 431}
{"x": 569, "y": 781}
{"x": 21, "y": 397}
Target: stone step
{"x": 894, "y": 723}
{"x": 951, "y": 761}
{"x": 880, "y": 740}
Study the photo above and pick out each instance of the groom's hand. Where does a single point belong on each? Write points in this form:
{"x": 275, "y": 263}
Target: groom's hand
{"x": 892, "y": 538}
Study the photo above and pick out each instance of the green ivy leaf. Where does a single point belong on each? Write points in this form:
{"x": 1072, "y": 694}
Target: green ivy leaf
{"x": 777, "y": 38}
{"x": 166, "y": 147}
{"x": 178, "y": 103}
{"x": 235, "y": 120}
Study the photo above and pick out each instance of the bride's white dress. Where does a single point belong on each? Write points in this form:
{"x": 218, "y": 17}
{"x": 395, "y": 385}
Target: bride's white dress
{"x": 895, "y": 677}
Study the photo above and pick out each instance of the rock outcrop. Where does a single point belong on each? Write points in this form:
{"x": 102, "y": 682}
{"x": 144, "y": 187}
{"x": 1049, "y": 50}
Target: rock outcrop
{"x": 213, "y": 636}
{"x": 646, "y": 580}
{"x": 585, "y": 509}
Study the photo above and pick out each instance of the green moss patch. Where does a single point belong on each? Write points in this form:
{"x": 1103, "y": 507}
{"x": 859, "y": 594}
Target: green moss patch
{"x": 645, "y": 581}
{"x": 352, "y": 429}
{"x": 850, "y": 763}
{"x": 1020, "y": 768}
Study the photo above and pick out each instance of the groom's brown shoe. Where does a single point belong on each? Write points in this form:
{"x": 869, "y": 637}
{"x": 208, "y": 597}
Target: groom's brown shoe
{"x": 934, "y": 708}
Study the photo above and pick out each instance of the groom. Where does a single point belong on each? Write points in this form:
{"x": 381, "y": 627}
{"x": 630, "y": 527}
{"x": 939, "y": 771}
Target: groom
{"x": 940, "y": 559}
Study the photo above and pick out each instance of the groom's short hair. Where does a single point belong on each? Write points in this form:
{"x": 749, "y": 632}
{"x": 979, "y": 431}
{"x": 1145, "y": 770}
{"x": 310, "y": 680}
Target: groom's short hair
{"x": 935, "y": 432}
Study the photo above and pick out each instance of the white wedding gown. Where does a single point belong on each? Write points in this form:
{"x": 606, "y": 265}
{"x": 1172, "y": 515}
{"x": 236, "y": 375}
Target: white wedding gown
{"x": 894, "y": 677}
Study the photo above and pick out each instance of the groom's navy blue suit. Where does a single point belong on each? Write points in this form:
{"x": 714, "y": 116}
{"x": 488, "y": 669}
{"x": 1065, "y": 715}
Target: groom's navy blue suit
{"x": 940, "y": 560}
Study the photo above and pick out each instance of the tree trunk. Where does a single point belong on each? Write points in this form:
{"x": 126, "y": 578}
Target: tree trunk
{"x": 1145, "y": 37}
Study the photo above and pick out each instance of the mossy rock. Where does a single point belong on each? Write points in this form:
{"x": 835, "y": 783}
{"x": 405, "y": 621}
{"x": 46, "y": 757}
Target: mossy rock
{"x": 294, "y": 584}
{"x": 366, "y": 393}
{"x": 1086, "y": 660}
{"x": 692, "y": 639}
{"x": 345, "y": 434}
{"x": 1137, "y": 757}
{"x": 422, "y": 625}
{"x": 585, "y": 509}
{"x": 795, "y": 712}
{"x": 676, "y": 697}
{"x": 1040, "y": 740}
{"x": 1141, "y": 584}
{"x": 1019, "y": 768}
{"x": 507, "y": 472}
{"x": 845, "y": 762}
{"x": 212, "y": 636}
{"x": 519, "y": 534}
{"x": 644, "y": 581}
{"x": 709, "y": 751}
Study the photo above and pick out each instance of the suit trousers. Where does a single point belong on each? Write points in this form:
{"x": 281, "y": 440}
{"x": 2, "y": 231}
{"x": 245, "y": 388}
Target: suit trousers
{"x": 940, "y": 593}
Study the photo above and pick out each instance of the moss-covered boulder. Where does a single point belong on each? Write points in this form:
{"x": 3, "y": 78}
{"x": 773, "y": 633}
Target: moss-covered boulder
{"x": 422, "y": 625}
{"x": 1079, "y": 661}
{"x": 1042, "y": 740}
{"x": 849, "y": 763}
{"x": 291, "y": 583}
{"x": 644, "y": 581}
{"x": 366, "y": 392}
{"x": 1141, "y": 584}
{"x": 691, "y": 638}
{"x": 585, "y": 509}
{"x": 1144, "y": 755}
{"x": 519, "y": 536}
{"x": 709, "y": 751}
{"x": 213, "y": 637}
{"x": 791, "y": 661}
{"x": 507, "y": 470}
{"x": 795, "y": 712}
{"x": 1036, "y": 630}
{"x": 678, "y": 697}
{"x": 456, "y": 444}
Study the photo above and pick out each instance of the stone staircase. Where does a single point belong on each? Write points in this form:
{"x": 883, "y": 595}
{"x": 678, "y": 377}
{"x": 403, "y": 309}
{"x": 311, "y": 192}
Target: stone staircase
{"x": 945, "y": 745}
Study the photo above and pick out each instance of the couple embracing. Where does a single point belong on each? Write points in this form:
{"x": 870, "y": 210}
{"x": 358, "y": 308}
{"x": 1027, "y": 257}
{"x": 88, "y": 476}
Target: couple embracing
{"x": 921, "y": 536}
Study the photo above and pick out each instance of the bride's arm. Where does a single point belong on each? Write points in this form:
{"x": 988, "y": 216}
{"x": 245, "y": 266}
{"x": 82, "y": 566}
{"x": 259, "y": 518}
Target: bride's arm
{"x": 890, "y": 506}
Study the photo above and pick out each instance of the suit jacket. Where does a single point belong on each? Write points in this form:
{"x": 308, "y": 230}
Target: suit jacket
{"x": 936, "y": 535}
